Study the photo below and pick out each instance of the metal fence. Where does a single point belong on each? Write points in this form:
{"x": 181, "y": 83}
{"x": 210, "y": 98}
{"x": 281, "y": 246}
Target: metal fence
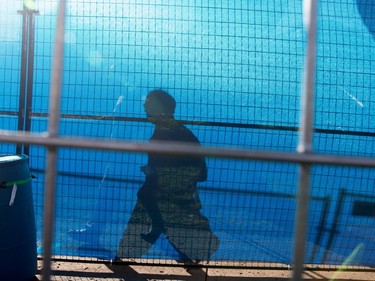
{"x": 232, "y": 207}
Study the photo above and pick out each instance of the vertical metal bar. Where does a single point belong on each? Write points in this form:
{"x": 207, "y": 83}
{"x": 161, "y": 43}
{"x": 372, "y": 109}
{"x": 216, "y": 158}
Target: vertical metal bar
{"x": 21, "y": 106}
{"x": 301, "y": 217}
{"x": 305, "y": 141}
{"x": 53, "y": 131}
{"x": 27, "y": 74}
{"x": 30, "y": 75}
{"x": 321, "y": 228}
{"x": 335, "y": 225}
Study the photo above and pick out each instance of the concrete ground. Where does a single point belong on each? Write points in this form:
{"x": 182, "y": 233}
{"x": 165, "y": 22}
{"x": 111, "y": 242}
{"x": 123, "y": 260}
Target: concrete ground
{"x": 75, "y": 271}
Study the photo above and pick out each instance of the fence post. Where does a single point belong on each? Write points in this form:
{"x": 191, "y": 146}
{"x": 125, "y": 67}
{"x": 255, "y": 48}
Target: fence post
{"x": 53, "y": 131}
{"x": 305, "y": 140}
{"x": 27, "y": 73}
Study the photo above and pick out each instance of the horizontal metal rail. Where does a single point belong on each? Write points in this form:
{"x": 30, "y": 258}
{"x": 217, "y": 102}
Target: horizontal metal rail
{"x": 198, "y": 123}
{"x": 173, "y": 148}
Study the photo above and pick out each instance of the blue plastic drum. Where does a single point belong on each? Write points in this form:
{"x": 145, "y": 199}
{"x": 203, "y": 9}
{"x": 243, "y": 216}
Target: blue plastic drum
{"x": 18, "y": 258}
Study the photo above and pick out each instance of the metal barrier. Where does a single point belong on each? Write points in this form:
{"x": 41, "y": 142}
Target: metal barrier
{"x": 304, "y": 155}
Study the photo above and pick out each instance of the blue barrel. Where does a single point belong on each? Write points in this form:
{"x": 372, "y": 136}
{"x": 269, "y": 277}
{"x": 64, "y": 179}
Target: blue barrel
{"x": 18, "y": 258}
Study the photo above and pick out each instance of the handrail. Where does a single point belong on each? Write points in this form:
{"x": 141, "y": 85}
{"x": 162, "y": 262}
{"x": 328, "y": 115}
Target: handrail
{"x": 173, "y": 148}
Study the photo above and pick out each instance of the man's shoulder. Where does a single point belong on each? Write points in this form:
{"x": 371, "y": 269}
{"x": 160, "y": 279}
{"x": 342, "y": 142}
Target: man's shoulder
{"x": 187, "y": 135}
{"x": 175, "y": 132}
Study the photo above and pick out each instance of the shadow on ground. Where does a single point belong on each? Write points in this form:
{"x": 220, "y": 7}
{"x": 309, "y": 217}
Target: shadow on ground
{"x": 125, "y": 272}
{"x": 154, "y": 273}
{"x": 89, "y": 271}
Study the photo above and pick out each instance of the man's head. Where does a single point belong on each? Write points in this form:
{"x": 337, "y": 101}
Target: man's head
{"x": 159, "y": 104}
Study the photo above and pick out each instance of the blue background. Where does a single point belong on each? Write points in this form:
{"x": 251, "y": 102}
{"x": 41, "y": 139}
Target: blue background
{"x": 239, "y": 64}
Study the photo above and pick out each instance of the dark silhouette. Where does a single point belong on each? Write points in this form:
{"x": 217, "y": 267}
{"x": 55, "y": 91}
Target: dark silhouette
{"x": 169, "y": 194}
{"x": 175, "y": 178}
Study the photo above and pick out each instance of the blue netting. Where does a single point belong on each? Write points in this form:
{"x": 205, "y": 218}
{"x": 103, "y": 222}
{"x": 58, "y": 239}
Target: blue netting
{"x": 235, "y": 69}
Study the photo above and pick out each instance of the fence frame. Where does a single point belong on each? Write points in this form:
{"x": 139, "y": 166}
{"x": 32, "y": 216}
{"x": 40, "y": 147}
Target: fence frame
{"x": 303, "y": 156}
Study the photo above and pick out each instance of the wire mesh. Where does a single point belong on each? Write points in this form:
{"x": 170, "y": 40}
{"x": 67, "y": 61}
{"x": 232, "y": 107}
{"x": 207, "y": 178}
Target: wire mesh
{"x": 234, "y": 70}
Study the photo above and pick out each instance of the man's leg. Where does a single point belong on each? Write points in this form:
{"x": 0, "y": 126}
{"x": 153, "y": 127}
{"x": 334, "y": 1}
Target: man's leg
{"x": 148, "y": 199}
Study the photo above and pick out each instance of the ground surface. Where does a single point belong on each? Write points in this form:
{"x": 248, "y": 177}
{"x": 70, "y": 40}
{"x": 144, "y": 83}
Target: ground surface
{"x": 73, "y": 271}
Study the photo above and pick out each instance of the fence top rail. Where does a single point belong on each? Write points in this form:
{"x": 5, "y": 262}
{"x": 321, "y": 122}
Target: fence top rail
{"x": 198, "y": 123}
{"x": 173, "y": 148}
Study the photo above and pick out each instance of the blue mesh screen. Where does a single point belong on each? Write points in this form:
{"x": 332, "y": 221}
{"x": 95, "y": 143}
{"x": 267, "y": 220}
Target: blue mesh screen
{"x": 234, "y": 69}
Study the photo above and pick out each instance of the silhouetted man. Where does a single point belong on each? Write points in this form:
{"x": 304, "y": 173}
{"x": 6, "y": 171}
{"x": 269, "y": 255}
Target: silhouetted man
{"x": 169, "y": 179}
{"x": 168, "y": 199}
